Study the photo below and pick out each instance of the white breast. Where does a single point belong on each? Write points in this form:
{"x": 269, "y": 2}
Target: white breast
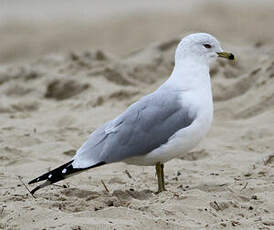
{"x": 187, "y": 138}
{"x": 192, "y": 80}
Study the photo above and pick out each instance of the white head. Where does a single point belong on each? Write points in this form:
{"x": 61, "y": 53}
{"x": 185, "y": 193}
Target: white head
{"x": 201, "y": 47}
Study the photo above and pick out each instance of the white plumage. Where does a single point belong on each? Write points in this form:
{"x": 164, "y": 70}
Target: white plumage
{"x": 160, "y": 126}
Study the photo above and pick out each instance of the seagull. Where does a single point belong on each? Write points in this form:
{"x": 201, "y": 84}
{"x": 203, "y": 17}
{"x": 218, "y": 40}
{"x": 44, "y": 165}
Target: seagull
{"x": 160, "y": 126}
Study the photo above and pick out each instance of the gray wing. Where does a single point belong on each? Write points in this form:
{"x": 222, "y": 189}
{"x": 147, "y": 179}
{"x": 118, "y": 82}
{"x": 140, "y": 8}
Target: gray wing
{"x": 144, "y": 126}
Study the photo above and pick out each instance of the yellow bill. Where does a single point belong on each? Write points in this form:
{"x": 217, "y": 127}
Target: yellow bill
{"x": 229, "y": 56}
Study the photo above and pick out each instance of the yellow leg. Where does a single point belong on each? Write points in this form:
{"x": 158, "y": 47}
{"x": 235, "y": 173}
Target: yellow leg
{"x": 160, "y": 176}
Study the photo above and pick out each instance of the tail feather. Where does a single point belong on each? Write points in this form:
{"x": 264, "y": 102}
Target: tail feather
{"x": 60, "y": 173}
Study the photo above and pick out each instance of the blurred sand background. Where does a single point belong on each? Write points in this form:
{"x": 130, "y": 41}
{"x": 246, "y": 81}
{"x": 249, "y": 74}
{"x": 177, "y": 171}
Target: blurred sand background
{"x": 68, "y": 66}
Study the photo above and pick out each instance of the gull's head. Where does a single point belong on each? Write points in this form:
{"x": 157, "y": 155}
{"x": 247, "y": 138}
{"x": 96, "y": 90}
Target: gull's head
{"x": 200, "y": 47}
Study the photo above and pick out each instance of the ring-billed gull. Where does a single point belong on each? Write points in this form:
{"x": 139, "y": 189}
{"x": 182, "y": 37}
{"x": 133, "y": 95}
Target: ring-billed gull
{"x": 160, "y": 126}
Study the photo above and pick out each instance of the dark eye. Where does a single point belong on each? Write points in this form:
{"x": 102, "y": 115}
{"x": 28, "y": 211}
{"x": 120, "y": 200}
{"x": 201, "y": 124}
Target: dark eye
{"x": 207, "y": 46}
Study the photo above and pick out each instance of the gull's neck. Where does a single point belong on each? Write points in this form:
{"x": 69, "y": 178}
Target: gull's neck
{"x": 189, "y": 74}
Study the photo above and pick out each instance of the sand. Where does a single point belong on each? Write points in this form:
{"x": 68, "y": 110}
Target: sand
{"x": 68, "y": 73}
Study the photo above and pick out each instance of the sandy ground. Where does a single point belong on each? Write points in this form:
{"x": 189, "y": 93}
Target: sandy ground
{"x": 67, "y": 69}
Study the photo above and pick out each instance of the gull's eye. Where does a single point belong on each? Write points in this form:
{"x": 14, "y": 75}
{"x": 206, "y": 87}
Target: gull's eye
{"x": 207, "y": 46}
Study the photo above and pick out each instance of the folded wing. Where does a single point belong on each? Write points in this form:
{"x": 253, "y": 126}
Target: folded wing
{"x": 143, "y": 127}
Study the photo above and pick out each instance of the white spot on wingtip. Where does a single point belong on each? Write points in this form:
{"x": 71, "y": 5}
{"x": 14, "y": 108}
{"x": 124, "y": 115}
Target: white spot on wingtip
{"x": 50, "y": 175}
{"x": 64, "y": 171}
{"x": 38, "y": 179}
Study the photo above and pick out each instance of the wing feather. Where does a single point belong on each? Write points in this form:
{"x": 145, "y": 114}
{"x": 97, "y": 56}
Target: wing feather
{"x": 144, "y": 126}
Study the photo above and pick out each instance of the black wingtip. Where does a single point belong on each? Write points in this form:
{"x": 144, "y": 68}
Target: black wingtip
{"x": 45, "y": 176}
{"x": 58, "y": 174}
{"x": 34, "y": 190}
{"x": 40, "y": 186}
{"x": 33, "y": 181}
